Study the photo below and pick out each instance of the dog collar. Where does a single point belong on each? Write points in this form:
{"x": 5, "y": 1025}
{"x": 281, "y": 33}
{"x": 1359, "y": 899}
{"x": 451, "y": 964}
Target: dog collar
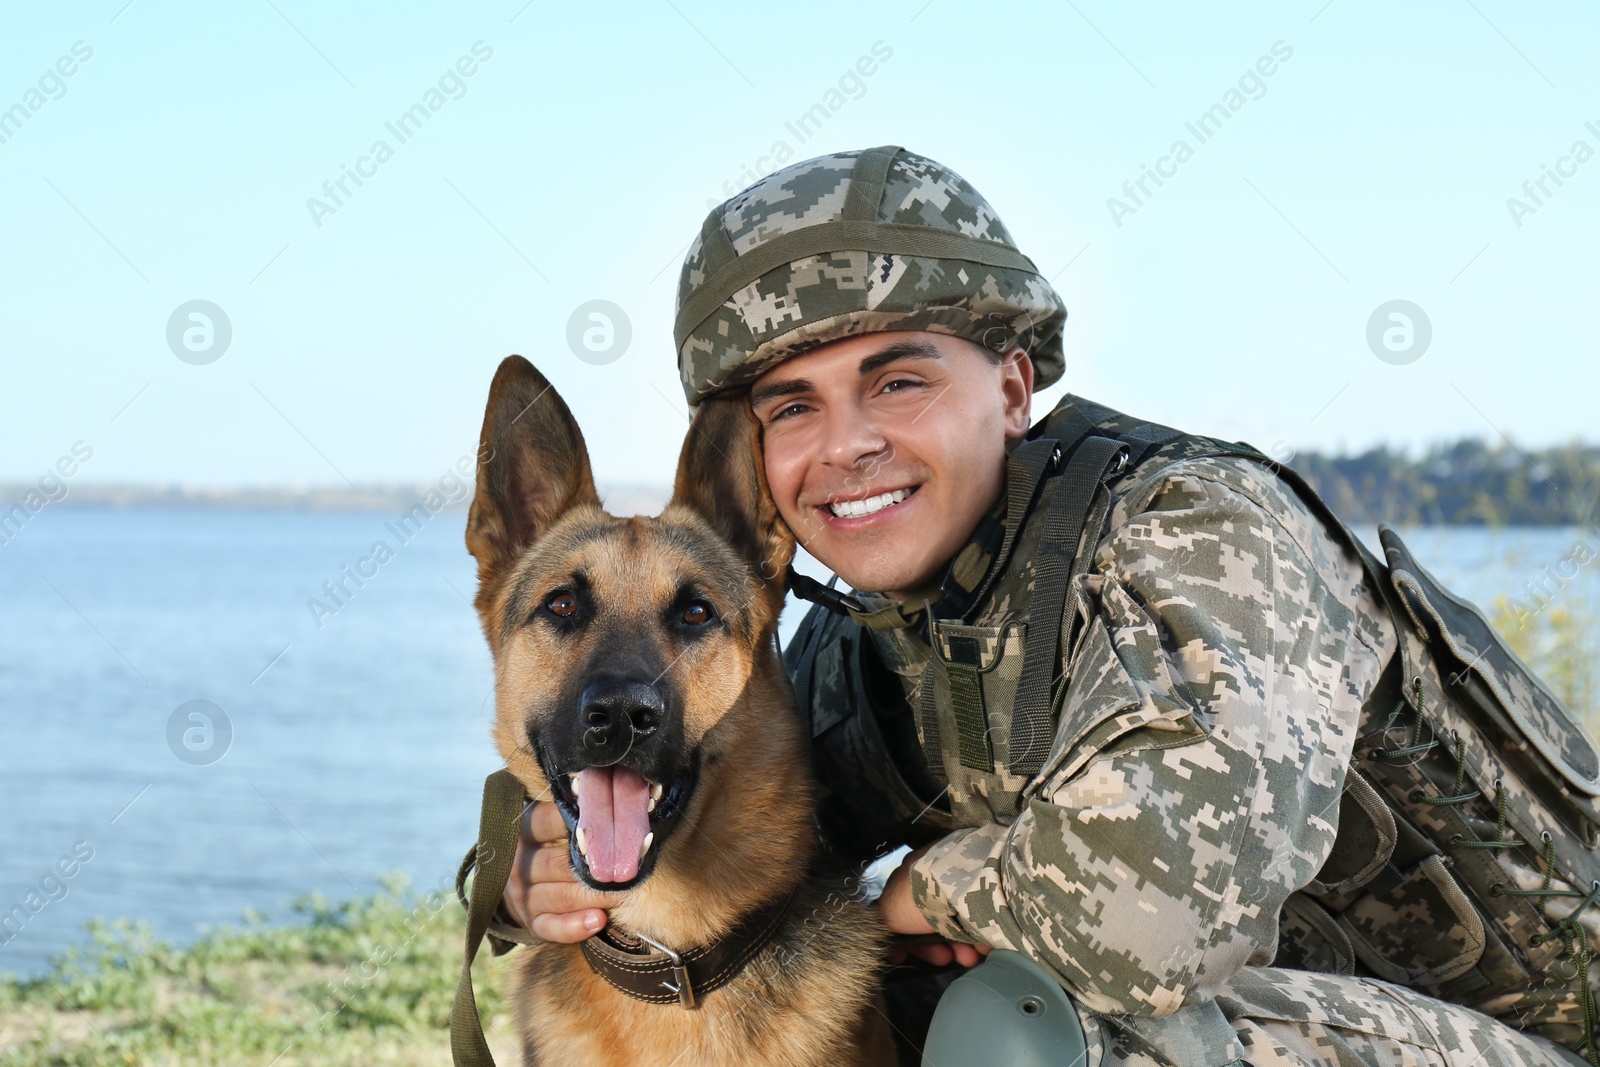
{"x": 647, "y": 970}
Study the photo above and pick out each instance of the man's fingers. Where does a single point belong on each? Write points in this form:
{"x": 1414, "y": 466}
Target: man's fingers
{"x": 546, "y": 824}
{"x": 552, "y": 863}
{"x": 559, "y": 898}
{"x": 570, "y": 928}
{"x": 525, "y": 824}
{"x": 971, "y": 955}
{"x": 941, "y": 953}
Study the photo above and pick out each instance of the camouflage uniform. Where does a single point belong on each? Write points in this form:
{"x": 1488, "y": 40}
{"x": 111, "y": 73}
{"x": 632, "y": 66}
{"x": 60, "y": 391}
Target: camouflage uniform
{"x": 1217, "y": 652}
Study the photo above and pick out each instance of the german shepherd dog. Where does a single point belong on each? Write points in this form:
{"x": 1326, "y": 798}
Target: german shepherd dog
{"x": 638, "y": 685}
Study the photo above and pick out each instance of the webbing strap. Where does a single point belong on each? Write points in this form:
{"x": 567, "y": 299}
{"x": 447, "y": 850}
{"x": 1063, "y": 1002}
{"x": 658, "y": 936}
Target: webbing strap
{"x": 1079, "y": 417}
{"x": 1087, "y": 470}
{"x": 1072, "y": 428}
{"x": 841, "y": 235}
{"x": 503, "y": 798}
{"x": 716, "y": 247}
{"x": 1073, "y": 419}
{"x": 865, "y": 192}
{"x": 928, "y": 703}
{"x": 1025, "y": 470}
{"x": 972, "y": 725}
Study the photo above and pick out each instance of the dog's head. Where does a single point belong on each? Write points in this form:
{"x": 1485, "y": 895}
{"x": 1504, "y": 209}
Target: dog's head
{"x": 619, "y": 644}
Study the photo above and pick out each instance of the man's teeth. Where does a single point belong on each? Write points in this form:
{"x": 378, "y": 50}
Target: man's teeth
{"x": 855, "y": 509}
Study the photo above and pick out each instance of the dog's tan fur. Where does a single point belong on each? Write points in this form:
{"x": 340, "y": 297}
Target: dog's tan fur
{"x": 747, "y": 836}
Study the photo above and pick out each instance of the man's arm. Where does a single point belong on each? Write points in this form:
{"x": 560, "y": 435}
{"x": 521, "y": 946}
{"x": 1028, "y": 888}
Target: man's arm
{"x": 1203, "y": 741}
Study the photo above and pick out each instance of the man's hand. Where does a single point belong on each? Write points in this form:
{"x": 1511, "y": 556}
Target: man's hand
{"x": 543, "y": 894}
{"x": 901, "y": 916}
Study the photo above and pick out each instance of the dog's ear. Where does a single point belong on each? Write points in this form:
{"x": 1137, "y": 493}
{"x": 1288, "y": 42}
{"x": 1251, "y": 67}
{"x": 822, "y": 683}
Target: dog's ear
{"x": 721, "y": 475}
{"x": 532, "y": 467}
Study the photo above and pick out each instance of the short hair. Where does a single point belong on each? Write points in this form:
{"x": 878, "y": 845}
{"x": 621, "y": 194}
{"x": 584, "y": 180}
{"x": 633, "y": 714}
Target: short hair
{"x": 996, "y": 358}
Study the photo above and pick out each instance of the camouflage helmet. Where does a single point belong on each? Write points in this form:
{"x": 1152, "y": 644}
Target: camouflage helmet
{"x": 852, "y": 243}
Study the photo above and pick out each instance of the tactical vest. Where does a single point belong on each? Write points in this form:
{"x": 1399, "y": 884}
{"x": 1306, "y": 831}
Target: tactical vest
{"x": 1465, "y": 863}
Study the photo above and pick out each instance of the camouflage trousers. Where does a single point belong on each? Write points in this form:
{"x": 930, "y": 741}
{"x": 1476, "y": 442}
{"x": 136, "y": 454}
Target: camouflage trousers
{"x": 1284, "y": 1018}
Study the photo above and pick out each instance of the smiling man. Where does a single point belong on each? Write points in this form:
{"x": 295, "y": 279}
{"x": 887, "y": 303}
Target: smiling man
{"x": 1102, "y": 677}
{"x": 889, "y": 514}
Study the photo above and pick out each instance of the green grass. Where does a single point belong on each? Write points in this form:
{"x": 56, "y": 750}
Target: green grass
{"x": 365, "y": 981}
{"x": 1562, "y": 645}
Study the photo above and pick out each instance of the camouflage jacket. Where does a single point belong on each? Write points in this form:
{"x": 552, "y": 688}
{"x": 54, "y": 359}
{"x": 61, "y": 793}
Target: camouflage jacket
{"x": 1216, "y": 654}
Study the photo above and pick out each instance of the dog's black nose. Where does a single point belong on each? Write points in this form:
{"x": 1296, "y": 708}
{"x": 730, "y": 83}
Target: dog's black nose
{"x": 616, "y": 710}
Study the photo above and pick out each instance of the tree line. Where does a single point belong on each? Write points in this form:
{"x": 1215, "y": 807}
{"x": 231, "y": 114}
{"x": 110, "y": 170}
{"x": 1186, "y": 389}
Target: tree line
{"x": 1465, "y": 483}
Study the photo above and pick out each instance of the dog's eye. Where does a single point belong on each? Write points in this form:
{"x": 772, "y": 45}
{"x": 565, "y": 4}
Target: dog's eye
{"x": 562, "y": 605}
{"x": 698, "y": 613}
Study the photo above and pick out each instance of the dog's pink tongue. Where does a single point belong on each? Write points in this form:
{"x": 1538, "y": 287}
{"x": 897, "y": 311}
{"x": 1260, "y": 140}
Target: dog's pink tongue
{"x": 614, "y": 816}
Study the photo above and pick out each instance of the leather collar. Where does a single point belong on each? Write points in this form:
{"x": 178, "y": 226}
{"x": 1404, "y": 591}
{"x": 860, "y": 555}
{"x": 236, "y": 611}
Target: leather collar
{"x": 652, "y": 972}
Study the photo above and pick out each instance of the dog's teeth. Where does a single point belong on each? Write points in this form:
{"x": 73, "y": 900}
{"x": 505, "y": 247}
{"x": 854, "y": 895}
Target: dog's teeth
{"x": 644, "y": 846}
{"x": 583, "y": 844}
{"x": 575, "y": 784}
{"x": 655, "y": 791}
{"x": 652, "y": 805}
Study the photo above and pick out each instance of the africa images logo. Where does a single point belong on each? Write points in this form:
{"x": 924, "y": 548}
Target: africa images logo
{"x": 1399, "y": 332}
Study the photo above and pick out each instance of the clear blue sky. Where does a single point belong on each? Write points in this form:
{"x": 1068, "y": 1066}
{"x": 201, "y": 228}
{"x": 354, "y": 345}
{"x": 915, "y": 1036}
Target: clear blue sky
{"x": 176, "y": 163}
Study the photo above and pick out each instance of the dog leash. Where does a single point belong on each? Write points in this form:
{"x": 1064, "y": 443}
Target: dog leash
{"x": 503, "y": 800}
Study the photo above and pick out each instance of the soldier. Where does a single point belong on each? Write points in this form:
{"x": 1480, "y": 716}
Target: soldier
{"x": 1117, "y": 754}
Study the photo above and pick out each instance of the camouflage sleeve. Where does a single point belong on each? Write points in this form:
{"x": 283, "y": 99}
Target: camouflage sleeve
{"x": 1227, "y": 647}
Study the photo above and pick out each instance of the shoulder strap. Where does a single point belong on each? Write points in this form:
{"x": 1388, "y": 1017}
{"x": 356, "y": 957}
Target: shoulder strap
{"x": 1091, "y": 433}
{"x": 503, "y": 798}
{"x": 1026, "y": 469}
{"x": 1091, "y": 464}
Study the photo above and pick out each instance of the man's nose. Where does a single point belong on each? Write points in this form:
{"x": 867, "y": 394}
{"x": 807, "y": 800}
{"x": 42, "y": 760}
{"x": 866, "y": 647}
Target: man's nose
{"x": 853, "y": 438}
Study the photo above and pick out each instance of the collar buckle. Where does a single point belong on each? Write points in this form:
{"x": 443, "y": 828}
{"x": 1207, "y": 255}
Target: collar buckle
{"x": 680, "y": 983}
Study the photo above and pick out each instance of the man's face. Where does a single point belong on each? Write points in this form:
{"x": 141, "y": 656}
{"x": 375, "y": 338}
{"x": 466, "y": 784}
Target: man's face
{"x": 884, "y": 450}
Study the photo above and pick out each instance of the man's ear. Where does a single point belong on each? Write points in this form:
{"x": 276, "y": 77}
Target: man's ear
{"x": 532, "y": 468}
{"x": 1016, "y": 390}
{"x": 721, "y": 475}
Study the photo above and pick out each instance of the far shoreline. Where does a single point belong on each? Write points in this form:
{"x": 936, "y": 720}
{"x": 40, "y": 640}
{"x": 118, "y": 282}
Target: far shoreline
{"x": 382, "y": 498}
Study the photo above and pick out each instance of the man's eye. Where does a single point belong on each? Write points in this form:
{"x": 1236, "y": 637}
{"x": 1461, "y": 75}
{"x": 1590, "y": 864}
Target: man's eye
{"x": 895, "y": 386}
{"x": 562, "y": 605}
{"x": 788, "y": 412}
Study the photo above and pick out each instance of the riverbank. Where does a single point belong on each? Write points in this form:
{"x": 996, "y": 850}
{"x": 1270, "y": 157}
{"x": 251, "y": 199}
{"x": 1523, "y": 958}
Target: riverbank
{"x": 366, "y": 981}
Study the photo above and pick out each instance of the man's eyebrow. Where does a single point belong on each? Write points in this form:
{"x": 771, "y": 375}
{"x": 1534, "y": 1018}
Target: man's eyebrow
{"x": 782, "y": 387}
{"x": 897, "y": 351}
{"x": 883, "y": 357}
